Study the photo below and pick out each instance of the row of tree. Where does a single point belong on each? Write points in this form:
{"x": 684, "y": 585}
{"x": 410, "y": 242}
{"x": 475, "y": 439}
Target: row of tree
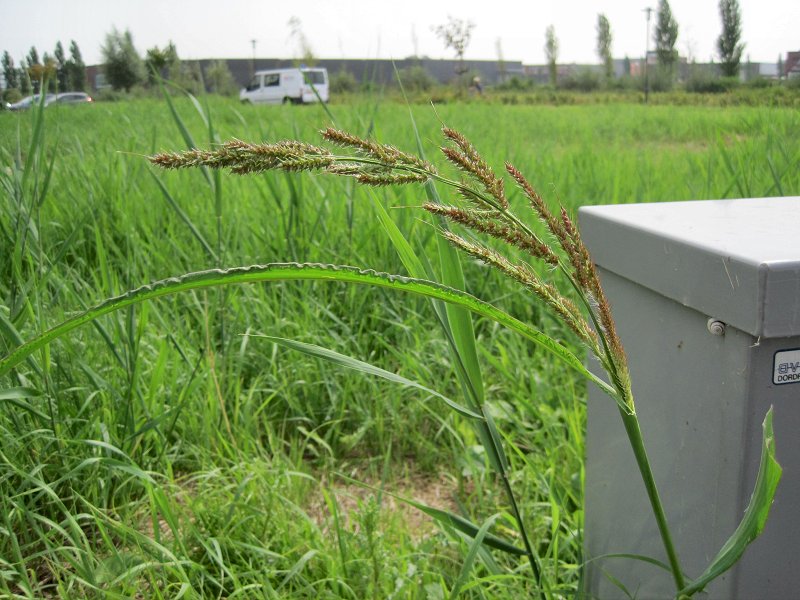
{"x": 124, "y": 68}
{"x": 729, "y": 45}
{"x": 60, "y": 73}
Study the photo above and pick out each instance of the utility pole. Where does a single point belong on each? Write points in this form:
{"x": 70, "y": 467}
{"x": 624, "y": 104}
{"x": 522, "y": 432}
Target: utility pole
{"x": 253, "y": 63}
{"x": 648, "y": 11}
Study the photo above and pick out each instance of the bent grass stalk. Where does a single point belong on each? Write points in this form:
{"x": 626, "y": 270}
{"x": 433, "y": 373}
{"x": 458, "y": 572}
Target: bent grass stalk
{"x": 484, "y": 210}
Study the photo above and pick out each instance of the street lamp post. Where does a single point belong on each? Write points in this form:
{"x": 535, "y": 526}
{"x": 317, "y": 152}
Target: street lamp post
{"x": 253, "y": 63}
{"x": 648, "y": 11}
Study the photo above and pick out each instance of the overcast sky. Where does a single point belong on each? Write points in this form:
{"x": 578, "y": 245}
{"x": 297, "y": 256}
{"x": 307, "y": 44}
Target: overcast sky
{"x": 380, "y": 29}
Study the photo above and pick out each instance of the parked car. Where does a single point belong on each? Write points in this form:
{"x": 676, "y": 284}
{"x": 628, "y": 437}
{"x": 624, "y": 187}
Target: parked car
{"x": 63, "y": 98}
{"x": 73, "y": 98}
{"x": 29, "y": 101}
{"x": 296, "y": 86}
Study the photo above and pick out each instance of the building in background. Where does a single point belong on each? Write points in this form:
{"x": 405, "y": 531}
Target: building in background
{"x": 491, "y": 72}
{"x": 791, "y": 66}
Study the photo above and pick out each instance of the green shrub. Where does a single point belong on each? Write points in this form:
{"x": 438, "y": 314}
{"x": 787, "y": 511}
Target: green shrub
{"x": 108, "y": 94}
{"x": 759, "y": 83}
{"x": 708, "y": 84}
{"x": 11, "y": 95}
{"x": 661, "y": 80}
{"x": 582, "y": 81}
{"x": 343, "y": 82}
{"x": 219, "y": 79}
{"x": 416, "y": 79}
{"x": 516, "y": 84}
{"x": 626, "y": 82}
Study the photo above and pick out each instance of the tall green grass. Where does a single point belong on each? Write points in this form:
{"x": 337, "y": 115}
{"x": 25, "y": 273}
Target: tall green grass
{"x": 161, "y": 453}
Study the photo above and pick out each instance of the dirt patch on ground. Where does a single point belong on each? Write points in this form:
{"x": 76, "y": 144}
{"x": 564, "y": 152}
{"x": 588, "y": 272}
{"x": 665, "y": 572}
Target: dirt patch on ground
{"x": 436, "y": 491}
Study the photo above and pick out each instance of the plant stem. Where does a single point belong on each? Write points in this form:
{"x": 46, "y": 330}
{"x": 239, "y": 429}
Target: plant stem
{"x": 631, "y": 423}
{"x": 536, "y": 567}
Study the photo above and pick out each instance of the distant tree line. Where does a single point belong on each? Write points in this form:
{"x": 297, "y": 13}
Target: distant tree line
{"x": 122, "y": 66}
{"x": 665, "y": 37}
{"x": 124, "y": 69}
{"x": 54, "y": 71}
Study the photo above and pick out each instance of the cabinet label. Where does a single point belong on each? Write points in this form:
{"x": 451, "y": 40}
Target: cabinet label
{"x": 786, "y": 367}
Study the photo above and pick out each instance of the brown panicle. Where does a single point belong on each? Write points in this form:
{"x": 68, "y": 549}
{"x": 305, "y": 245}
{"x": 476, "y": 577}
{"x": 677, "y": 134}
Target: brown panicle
{"x": 537, "y": 204}
{"x": 467, "y": 159}
{"x": 589, "y": 280}
{"x": 241, "y": 157}
{"x": 577, "y": 253}
{"x": 386, "y": 154}
{"x": 483, "y": 224}
{"x": 565, "y": 309}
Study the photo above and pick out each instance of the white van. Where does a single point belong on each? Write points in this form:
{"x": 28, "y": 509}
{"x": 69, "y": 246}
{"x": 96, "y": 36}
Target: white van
{"x": 286, "y": 85}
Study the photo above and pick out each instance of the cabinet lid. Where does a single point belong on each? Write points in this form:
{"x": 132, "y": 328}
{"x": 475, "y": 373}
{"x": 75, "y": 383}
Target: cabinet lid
{"x": 735, "y": 260}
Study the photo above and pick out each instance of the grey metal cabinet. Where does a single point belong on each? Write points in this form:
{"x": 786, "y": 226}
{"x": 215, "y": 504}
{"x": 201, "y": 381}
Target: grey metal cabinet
{"x": 706, "y": 296}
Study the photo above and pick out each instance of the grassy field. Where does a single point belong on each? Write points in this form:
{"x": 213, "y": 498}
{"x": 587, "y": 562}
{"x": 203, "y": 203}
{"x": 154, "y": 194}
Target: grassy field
{"x": 168, "y": 450}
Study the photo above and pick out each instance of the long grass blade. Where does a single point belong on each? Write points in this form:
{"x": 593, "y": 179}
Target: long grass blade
{"x": 466, "y": 568}
{"x": 366, "y": 368}
{"x": 408, "y": 257}
{"x": 19, "y": 397}
{"x": 755, "y": 516}
{"x": 297, "y": 567}
{"x": 299, "y": 272}
{"x": 184, "y": 217}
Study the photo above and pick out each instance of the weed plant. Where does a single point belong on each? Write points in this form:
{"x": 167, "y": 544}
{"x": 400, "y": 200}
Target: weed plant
{"x": 163, "y": 454}
{"x": 486, "y": 210}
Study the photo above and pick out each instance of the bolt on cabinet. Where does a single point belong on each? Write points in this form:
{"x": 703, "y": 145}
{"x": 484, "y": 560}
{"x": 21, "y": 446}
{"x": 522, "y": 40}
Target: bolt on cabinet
{"x": 706, "y": 296}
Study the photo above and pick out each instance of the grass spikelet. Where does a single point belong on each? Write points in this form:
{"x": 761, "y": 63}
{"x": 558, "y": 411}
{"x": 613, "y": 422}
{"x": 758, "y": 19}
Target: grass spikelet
{"x": 480, "y": 222}
{"x": 563, "y": 307}
{"x": 190, "y": 158}
{"x": 343, "y": 169}
{"x": 467, "y": 160}
{"x": 537, "y": 204}
{"x": 386, "y": 154}
{"x": 243, "y": 158}
{"x": 390, "y": 179}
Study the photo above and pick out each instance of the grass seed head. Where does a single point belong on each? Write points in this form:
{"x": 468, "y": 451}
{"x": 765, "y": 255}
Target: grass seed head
{"x": 386, "y": 154}
{"x": 389, "y": 179}
{"x": 242, "y": 158}
{"x": 563, "y": 307}
{"x": 537, "y": 204}
{"x": 467, "y": 159}
{"x": 482, "y": 223}
{"x": 383, "y": 165}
